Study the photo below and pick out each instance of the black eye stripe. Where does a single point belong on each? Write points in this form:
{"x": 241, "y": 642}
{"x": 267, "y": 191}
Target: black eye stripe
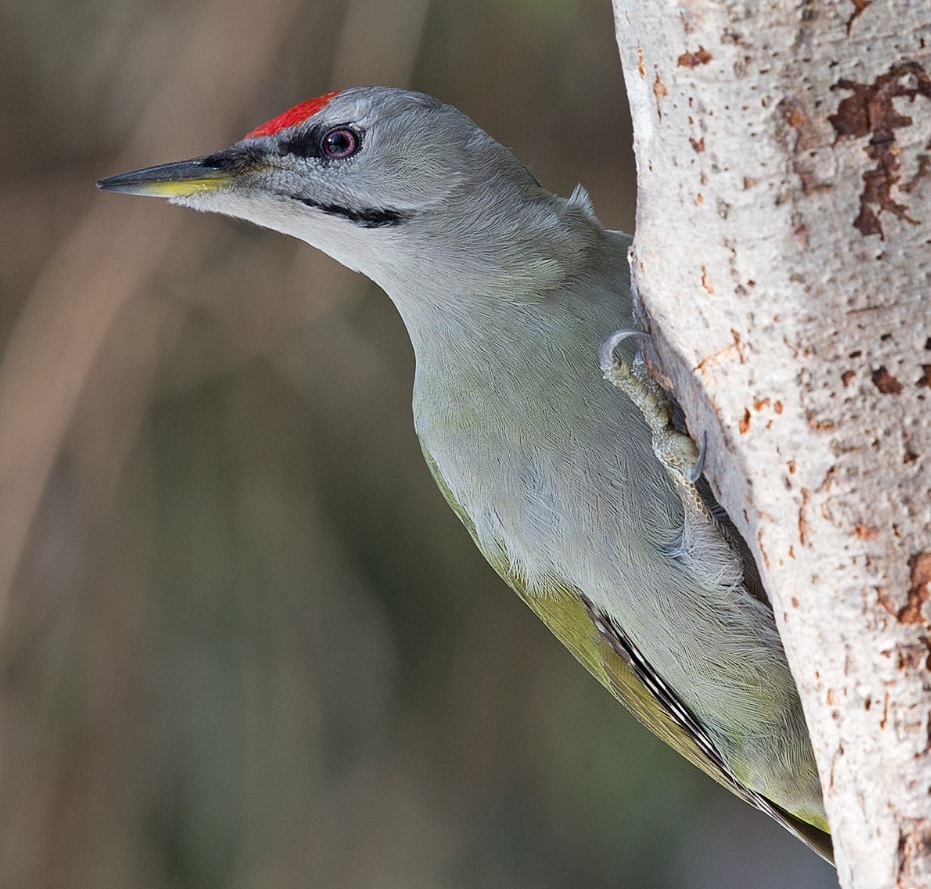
{"x": 309, "y": 143}
{"x": 306, "y": 144}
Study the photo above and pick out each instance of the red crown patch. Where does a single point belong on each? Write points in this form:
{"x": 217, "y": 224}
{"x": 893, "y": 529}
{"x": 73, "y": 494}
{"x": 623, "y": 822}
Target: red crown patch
{"x": 292, "y": 116}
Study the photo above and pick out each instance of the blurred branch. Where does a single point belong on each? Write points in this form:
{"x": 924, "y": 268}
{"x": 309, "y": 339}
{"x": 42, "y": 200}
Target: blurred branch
{"x": 109, "y": 256}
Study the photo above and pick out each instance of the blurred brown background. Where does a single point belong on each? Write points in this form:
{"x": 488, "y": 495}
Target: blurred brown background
{"x": 243, "y": 643}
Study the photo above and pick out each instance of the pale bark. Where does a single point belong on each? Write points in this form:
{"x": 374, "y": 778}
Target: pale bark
{"x": 783, "y": 259}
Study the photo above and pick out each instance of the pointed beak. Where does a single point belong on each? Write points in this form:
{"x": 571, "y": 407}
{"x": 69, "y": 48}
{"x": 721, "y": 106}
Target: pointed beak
{"x": 180, "y": 179}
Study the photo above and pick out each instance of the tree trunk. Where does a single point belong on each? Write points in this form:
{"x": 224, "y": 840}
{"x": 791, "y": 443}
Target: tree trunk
{"x": 783, "y": 261}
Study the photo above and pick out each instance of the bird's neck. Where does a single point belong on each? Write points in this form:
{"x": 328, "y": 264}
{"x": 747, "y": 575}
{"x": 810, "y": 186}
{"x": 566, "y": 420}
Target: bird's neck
{"x": 514, "y": 347}
{"x": 485, "y": 289}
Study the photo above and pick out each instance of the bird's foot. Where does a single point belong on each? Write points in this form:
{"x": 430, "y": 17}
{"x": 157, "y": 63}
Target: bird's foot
{"x": 674, "y": 449}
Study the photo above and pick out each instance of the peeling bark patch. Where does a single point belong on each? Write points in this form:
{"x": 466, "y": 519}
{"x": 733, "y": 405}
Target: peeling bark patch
{"x": 715, "y": 357}
{"x": 802, "y": 521}
{"x": 693, "y": 59}
{"x": 911, "y": 657}
{"x": 641, "y": 68}
{"x": 858, "y": 7}
{"x": 807, "y": 139}
{"x": 914, "y": 843}
{"x": 706, "y": 282}
{"x": 659, "y": 90}
{"x": 744, "y": 424}
{"x": 793, "y": 114}
{"x": 886, "y": 383}
{"x": 818, "y": 425}
{"x": 762, "y": 549}
{"x": 870, "y": 111}
{"x": 919, "y": 593}
{"x": 738, "y": 346}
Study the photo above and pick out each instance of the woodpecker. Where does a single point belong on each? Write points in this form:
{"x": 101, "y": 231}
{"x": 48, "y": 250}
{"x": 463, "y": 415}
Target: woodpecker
{"x": 507, "y": 291}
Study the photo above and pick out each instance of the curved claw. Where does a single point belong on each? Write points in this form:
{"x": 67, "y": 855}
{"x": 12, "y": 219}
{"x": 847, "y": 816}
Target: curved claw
{"x": 699, "y": 467}
{"x": 611, "y": 342}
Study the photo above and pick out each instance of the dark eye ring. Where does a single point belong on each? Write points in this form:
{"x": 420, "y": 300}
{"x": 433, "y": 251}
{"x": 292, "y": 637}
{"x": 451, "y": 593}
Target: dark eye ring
{"x": 340, "y": 143}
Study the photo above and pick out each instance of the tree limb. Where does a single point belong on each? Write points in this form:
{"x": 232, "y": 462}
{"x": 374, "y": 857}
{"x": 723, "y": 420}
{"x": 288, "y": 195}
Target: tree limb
{"x": 783, "y": 265}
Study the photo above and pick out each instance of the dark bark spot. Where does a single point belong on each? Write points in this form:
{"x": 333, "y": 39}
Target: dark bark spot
{"x": 870, "y": 112}
{"x": 886, "y": 383}
{"x": 693, "y": 59}
{"x": 802, "y": 521}
{"x": 914, "y": 844}
{"x": 793, "y": 114}
{"x": 820, "y": 425}
{"x": 807, "y": 139}
{"x": 919, "y": 592}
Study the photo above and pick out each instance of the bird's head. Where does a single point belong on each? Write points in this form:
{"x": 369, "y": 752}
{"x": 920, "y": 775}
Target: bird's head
{"x": 357, "y": 173}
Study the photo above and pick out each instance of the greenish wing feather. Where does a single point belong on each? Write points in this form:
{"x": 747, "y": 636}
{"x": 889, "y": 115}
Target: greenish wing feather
{"x": 565, "y": 612}
{"x": 570, "y": 621}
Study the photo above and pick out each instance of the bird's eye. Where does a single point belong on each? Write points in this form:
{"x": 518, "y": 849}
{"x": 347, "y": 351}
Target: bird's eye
{"x": 340, "y": 143}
